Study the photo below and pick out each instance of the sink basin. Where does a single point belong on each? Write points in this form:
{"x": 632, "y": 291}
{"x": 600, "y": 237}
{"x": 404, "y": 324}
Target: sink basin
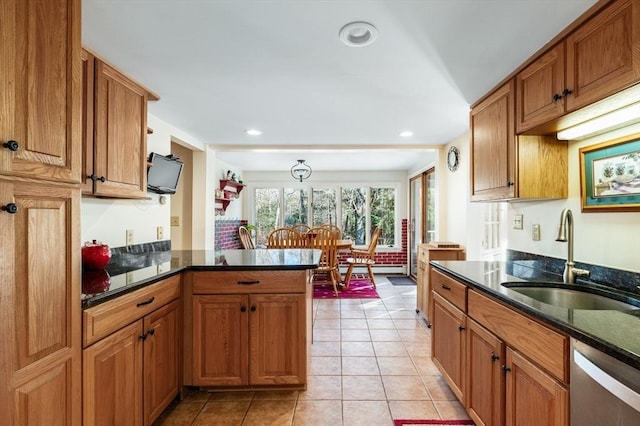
{"x": 571, "y": 296}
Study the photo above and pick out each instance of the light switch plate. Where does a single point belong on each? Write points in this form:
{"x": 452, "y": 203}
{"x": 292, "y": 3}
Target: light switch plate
{"x": 517, "y": 221}
{"x": 160, "y": 232}
{"x": 129, "y": 237}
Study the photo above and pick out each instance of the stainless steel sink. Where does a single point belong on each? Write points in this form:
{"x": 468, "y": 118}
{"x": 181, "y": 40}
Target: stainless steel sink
{"x": 571, "y": 296}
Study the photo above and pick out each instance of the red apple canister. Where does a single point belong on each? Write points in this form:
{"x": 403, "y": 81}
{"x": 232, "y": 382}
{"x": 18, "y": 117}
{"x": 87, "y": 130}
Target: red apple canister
{"x": 95, "y": 255}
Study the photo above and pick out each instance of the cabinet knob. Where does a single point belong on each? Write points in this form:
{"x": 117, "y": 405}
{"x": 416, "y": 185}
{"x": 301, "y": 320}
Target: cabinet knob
{"x": 10, "y": 208}
{"x": 505, "y": 369}
{"x": 11, "y": 145}
{"x": 509, "y": 183}
{"x": 566, "y": 92}
{"x": 243, "y": 308}
{"x": 151, "y": 331}
{"x": 143, "y": 336}
{"x": 253, "y": 308}
{"x": 494, "y": 357}
{"x": 95, "y": 178}
{"x": 557, "y": 97}
{"x": 461, "y": 328}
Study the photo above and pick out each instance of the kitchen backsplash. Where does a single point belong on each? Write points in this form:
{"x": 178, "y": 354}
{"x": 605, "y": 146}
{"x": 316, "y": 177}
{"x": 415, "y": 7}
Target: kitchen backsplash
{"x": 616, "y": 278}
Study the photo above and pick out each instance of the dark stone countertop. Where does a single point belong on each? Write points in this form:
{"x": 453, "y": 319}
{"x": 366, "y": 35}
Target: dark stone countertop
{"x": 130, "y": 271}
{"x": 616, "y": 333}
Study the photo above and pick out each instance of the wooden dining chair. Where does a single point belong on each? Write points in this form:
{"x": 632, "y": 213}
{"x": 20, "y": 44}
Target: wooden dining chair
{"x": 301, "y": 227}
{"x": 285, "y": 238}
{"x": 324, "y": 239}
{"x": 333, "y": 228}
{"x": 245, "y": 238}
{"x": 363, "y": 258}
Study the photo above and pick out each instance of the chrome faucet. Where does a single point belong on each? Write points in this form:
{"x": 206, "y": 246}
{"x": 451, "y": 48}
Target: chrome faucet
{"x": 570, "y": 271}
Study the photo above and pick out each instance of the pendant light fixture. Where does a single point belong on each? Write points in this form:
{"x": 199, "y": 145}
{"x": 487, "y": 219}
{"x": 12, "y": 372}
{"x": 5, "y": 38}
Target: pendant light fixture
{"x": 301, "y": 170}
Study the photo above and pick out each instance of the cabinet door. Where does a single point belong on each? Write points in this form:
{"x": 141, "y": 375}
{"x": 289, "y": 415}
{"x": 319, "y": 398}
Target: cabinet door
{"x": 533, "y": 397}
{"x": 493, "y": 147}
{"x": 161, "y": 360}
{"x": 220, "y": 340}
{"x": 120, "y": 135}
{"x": 484, "y": 390}
{"x": 539, "y": 90}
{"x": 448, "y": 343}
{"x": 278, "y": 344}
{"x": 603, "y": 55}
{"x": 112, "y": 377}
{"x": 40, "y": 305}
{"x": 41, "y": 89}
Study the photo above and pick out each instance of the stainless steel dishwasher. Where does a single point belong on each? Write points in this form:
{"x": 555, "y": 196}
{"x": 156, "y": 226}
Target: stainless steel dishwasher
{"x": 604, "y": 391}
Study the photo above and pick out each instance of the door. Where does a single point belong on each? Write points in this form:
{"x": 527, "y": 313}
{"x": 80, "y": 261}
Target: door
{"x": 161, "y": 360}
{"x": 421, "y": 215}
{"x": 112, "y": 378}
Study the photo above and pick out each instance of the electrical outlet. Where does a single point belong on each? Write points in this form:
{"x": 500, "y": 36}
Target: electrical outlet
{"x": 517, "y": 221}
{"x": 536, "y": 232}
{"x": 129, "y": 277}
{"x": 129, "y": 237}
{"x": 175, "y": 220}
{"x": 160, "y": 232}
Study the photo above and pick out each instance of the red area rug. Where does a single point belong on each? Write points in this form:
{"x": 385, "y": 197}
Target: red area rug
{"x": 358, "y": 289}
{"x": 432, "y": 422}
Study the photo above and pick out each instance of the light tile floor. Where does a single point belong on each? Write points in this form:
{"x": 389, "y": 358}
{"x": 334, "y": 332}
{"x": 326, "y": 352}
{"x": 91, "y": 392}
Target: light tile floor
{"x": 370, "y": 364}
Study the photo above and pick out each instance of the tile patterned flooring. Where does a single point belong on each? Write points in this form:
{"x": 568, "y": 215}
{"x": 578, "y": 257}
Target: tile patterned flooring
{"x": 370, "y": 364}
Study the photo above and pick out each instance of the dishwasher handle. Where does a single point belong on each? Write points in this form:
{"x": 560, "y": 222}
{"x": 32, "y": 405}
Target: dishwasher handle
{"x": 620, "y": 390}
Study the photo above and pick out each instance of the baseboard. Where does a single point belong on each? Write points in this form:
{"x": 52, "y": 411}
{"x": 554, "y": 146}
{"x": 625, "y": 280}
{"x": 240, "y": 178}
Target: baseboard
{"x": 379, "y": 270}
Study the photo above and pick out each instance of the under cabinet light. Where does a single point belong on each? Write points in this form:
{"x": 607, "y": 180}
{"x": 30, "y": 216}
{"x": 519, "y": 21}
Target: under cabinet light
{"x": 253, "y": 132}
{"x": 605, "y": 123}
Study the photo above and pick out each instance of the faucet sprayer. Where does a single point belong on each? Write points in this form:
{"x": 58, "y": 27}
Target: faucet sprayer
{"x": 565, "y": 234}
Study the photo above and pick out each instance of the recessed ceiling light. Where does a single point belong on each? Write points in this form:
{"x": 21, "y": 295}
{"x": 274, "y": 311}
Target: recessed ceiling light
{"x": 406, "y": 134}
{"x": 358, "y": 34}
{"x": 253, "y": 132}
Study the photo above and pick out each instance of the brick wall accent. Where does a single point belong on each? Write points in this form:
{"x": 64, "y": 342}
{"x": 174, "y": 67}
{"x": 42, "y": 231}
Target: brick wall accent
{"x": 226, "y": 234}
{"x": 387, "y": 258}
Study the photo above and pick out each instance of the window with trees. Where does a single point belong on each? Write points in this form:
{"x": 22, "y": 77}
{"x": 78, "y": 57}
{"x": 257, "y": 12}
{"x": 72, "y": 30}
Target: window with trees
{"x": 359, "y": 209}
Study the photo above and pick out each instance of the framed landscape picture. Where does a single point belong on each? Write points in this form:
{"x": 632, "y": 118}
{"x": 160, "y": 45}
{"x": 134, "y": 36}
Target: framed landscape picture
{"x": 610, "y": 176}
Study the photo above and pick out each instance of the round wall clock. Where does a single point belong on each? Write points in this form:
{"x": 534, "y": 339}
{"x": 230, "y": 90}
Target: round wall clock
{"x": 453, "y": 158}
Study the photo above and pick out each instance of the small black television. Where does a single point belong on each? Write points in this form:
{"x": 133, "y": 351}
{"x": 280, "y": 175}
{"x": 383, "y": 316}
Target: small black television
{"x": 163, "y": 174}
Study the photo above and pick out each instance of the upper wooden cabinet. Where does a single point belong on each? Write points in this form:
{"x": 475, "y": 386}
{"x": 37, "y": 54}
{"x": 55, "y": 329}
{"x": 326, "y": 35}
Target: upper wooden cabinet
{"x": 114, "y": 130}
{"x": 508, "y": 167}
{"x": 40, "y": 86}
{"x": 598, "y": 59}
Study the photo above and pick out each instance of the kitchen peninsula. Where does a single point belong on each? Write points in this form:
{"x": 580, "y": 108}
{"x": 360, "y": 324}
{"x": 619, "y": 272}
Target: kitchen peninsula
{"x": 237, "y": 319}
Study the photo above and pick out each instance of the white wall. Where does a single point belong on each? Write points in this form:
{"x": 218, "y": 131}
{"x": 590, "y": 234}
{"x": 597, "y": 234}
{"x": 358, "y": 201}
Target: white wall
{"x": 235, "y": 208}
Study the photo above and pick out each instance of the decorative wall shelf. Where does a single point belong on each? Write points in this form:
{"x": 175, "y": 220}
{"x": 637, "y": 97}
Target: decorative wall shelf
{"x": 230, "y": 190}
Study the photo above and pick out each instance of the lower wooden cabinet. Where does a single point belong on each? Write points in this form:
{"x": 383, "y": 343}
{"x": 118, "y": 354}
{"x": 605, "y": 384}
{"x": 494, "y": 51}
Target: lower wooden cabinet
{"x": 533, "y": 396}
{"x": 249, "y": 340}
{"x": 131, "y": 375}
{"x": 484, "y": 396}
{"x": 506, "y": 368}
{"x": 449, "y": 342}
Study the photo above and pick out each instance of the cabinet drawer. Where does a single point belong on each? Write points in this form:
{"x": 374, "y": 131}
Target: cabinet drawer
{"x": 104, "y": 319}
{"x": 244, "y": 282}
{"x": 450, "y": 289}
{"x": 546, "y": 347}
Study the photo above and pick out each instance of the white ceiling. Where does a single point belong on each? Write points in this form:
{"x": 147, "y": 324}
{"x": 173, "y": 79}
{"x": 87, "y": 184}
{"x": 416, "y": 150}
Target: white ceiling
{"x": 224, "y": 66}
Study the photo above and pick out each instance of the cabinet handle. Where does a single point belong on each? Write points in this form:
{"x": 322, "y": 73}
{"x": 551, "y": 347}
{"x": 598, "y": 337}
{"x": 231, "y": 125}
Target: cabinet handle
{"x": 566, "y": 92}
{"x": 249, "y": 282}
{"x": 146, "y": 302}
{"x": 461, "y": 328}
{"x": 151, "y": 331}
{"x": 557, "y": 97}
{"x": 445, "y": 287}
{"x": 509, "y": 183}
{"x": 11, "y": 145}
{"x": 494, "y": 357}
{"x": 253, "y": 308}
{"x": 505, "y": 369}
{"x": 143, "y": 336}
{"x": 10, "y": 208}
{"x": 243, "y": 308}
{"x": 95, "y": 178}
